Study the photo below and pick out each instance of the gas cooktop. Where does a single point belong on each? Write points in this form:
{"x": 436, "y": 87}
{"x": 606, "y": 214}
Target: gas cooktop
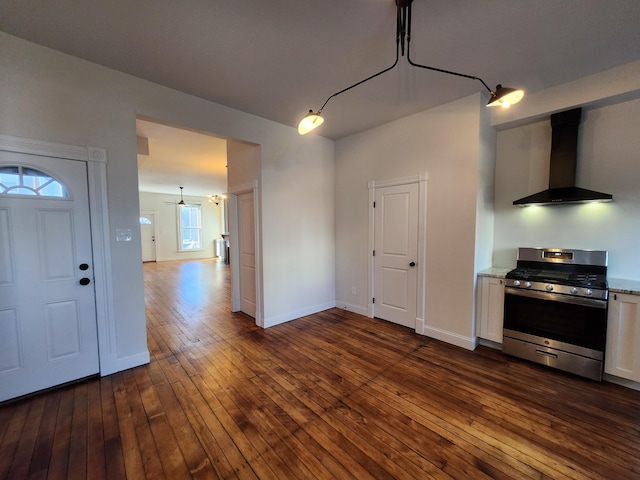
{"x": 579, "y": 273}
{"x": 578, "y": 279}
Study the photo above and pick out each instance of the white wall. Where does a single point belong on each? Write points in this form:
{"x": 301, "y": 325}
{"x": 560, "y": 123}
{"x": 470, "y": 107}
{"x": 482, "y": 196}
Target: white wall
{"x": 444, "y": 142}
{"x": 51, "y": 96}
{"x": 243, "y": 163}
{"x": 486, "y": 187}
{"x": 164, "y": 206}
{"x": 609, "y": 161}
{"x": 298, "y": 205}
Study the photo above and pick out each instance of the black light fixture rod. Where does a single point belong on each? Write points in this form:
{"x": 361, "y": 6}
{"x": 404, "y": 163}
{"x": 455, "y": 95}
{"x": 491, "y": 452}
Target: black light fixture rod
{"x": 441, "y": 70}
{"x": 446, "y": 71}
{"x": 401, "y": 25}
{"x": 361, "y": 81}
{"x": 501, "y": 96}
{"x": 403, "y": 32}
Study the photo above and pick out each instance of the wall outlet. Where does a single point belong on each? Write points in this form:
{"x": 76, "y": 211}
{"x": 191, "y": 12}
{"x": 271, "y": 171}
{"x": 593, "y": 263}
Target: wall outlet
{"x": 353, "y": 290}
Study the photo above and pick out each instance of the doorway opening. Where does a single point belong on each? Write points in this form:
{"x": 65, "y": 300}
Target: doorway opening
{"x": 177, "y": 164}
{"x": 170, "y": 158}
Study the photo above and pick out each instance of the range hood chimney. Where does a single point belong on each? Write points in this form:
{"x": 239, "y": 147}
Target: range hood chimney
{"x": 562, "y": 166}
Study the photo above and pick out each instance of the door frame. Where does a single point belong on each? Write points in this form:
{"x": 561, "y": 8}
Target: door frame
{"x": 234, "y": 254}
{"x": 155, "y": 231}
{"x": 421, "y": 180}
{"x": 96, "y": 161}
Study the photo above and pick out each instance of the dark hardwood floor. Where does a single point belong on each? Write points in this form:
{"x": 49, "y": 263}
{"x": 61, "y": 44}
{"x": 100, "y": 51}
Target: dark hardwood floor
{"x": 331, "y": 395}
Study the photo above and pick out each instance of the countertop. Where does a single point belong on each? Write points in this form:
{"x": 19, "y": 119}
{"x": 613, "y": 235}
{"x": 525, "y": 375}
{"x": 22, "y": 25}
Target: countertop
{"x": 496, "y": 272}
{"x": 616, "y": 285}
{"x": 621, "y": 285}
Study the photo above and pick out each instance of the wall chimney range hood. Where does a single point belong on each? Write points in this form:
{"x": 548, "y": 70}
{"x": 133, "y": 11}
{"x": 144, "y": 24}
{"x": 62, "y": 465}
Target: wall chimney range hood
{"x": 562, "y": 166}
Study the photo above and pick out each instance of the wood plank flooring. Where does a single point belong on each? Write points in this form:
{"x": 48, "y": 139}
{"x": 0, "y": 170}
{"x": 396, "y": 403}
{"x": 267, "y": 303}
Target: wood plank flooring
{"x": 331, "y": 395}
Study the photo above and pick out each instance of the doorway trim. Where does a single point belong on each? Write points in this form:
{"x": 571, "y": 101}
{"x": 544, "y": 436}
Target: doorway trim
{"x": 96, "y": 160}
{"x": 234, "y": 254}
{"x": 421, "y": 180}
{"x": 155, "y": 231}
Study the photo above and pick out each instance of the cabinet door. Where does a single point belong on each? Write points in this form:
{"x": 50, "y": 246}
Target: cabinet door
{"x": 622, "y": 357}
{"x": 491, "y": 309}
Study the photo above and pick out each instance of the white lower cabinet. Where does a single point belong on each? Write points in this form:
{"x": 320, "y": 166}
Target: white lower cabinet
{"x": 490, "y": 308}
{"x": 622, "y": 357}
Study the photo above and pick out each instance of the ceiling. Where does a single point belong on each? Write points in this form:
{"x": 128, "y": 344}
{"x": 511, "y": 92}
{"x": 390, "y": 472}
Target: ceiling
{"x": 181, "y": 158}
{"x": 280, "y": 58}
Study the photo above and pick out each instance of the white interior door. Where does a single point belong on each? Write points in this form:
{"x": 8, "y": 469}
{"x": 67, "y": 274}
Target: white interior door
{"x": 247, "y": 253}
{"x": 148, "y": 236}
{"x": 396, "y": 253}
{"x": 48, "y": 333}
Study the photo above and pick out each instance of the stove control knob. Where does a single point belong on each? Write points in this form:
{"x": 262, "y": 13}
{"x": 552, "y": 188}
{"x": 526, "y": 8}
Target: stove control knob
{"x": 574, "y": 290}
{"x": 516, "y": 283}
{"x": 589, "y": 292}
{"x": 550, "y": 288}
{"x": 528, "y": 284}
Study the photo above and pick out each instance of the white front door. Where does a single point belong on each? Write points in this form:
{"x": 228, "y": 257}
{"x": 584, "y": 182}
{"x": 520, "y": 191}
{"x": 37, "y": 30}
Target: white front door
{"x": 396, "y": 254}
{"x": 148, "y": 236}
{"x": 247, "y": 251}
{"x": 48, "y": 332}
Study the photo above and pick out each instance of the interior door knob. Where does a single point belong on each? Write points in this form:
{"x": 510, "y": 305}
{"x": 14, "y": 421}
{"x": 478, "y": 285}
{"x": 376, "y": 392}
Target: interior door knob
{"x": 83, "y": 266}
{"x": 85, "y": 281}
{"x": 412, "y": 264}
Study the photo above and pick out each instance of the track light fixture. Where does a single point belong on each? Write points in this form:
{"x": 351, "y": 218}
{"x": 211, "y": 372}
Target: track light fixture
{"x": 501, "y": 96}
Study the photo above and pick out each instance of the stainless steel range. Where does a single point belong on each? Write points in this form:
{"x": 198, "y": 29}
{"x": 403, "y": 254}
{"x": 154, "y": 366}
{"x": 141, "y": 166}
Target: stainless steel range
{"x": 555, "y": 309}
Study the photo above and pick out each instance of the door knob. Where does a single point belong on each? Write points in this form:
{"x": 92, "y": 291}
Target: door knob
{"x": 83, "y": 266}
{"x": 85, "y": 281}
{"x": 412, "y": 264}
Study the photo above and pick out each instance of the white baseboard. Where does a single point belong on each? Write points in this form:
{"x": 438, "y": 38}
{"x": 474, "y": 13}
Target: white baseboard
{"x": 362, "y": 310}
{"x": 449, "y": 337}
{"x": 489, "y": 343}
{"x": 114, "y": 364}
{"x": 273, "y": 321}
{"x": 621, "y": 381}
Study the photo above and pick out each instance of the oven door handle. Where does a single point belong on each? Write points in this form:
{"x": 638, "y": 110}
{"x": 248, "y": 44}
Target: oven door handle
{"x": 557, "y": 297}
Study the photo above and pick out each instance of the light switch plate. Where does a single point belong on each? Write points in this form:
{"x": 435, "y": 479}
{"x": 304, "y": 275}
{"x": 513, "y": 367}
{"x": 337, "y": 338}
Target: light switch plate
{"x": 123, "y": 234}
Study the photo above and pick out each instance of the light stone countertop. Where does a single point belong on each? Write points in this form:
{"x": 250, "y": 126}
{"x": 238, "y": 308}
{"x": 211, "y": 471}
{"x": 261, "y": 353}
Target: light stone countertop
{"x": 621, "y": 285}
{"x": 496, "y": 272}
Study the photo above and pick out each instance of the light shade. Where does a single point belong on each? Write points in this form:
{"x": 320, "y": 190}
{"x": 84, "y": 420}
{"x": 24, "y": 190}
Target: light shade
{"x": 505, "y": 97}
{"x": 310, "y": 122}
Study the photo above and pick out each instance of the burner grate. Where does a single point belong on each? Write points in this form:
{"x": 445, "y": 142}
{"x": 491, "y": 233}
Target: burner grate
{"x": 586, "y": 278}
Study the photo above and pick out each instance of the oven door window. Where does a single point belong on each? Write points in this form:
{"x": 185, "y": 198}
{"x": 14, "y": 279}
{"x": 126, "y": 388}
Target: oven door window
{"x": 580, "y": 325}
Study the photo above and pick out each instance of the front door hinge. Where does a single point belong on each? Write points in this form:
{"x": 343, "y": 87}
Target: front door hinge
{"x": 374, "y": 204}
{"x": 373, "y": 300}
{"x": 374, "y": 253}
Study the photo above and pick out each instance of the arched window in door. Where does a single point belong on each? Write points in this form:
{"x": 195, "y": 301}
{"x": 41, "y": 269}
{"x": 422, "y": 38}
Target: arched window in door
{"x": 21, "y": 180}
